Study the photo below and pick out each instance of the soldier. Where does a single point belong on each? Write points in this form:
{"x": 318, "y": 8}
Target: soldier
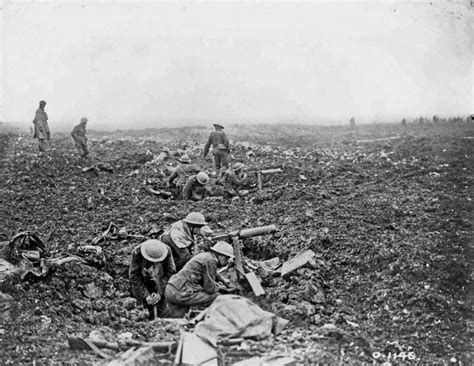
{"x": 220, "y": 148}
{"x": 352, "y": 122}
{"x": 41, "y": 126}
{"x": 181, "y": 174}
{"x": 151, "y": 266}
{"x": 182, "y": 237}
{"x": 79, "y": 136}
{"x": 196, "y": 284}
{"x": 233, "y": 179}
{"x": 195, "y": 188}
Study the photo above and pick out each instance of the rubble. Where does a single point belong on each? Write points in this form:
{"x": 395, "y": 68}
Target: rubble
{"x": 389, "y": 238}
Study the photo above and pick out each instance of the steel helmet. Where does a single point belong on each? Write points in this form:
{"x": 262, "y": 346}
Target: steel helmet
{"x": 237, "y": 166}
{"x": 84, "y": 120}
{"x": 154, "y": 250}
{"x": 185, "y": 158}
{"x": 218, "y": 125}
{"x": 221, "y": 247}
{"x": 195, "y": 218}
{"x": 202, "y": 178}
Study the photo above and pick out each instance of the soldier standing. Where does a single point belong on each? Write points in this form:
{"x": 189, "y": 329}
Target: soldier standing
{"x": 41, "y": 126}
{"x": 79, "y": 136}
{"x": 220, "y": 148}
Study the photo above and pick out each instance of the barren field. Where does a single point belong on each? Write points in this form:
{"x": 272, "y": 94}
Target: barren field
{"x": 390, "y": 221}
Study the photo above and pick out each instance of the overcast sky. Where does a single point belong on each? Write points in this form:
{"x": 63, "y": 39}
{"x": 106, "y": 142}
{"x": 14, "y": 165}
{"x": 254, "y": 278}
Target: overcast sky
{"x": 135, "y": 65}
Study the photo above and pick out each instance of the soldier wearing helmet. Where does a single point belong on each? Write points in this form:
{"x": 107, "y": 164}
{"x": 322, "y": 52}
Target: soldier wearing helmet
{"x": 220, "y": 148}
{"x": 234, "y": 179}
{"x": 181, "y": 174}
{"x": 41, "y": 131}
{"x": 182, "y": 236}
{"x": 80, "y": 139}
{"x": 195, "y": 188}
{"x": 151, "y": 266}
{"x": 196, "y": 284}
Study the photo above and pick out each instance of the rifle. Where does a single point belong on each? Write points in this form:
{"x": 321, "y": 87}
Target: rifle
{"x": 236, "y": 237}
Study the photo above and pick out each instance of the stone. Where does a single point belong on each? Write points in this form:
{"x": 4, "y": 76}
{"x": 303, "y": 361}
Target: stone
{"x": 92, "y": 291}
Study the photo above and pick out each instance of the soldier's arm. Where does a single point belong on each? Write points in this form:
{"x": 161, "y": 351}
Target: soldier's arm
{"x": 208, "y": 278}
{"x": 208, "y": 145}
{"x": 136, "y": 277}
{"x": 187, "y": 190}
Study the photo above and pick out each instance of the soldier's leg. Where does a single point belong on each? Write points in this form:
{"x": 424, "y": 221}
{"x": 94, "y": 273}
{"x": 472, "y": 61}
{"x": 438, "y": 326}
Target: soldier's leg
{"x": 79, "y": 148}
{"x": 217, "y": 161}
{"x": 225, "y": 160}
{"x": 187, "y": 297}
{"x": 85, "y": 149}
{"x": 41, "y": 145}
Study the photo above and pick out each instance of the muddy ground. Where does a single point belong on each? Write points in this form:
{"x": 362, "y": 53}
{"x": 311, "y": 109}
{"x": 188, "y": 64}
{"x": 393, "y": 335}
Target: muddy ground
{"x": 390, "y": 221}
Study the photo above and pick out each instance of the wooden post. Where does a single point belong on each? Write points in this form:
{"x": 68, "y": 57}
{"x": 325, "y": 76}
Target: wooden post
{"x": 259, "y": 179}
{"x": 238, "y": 256}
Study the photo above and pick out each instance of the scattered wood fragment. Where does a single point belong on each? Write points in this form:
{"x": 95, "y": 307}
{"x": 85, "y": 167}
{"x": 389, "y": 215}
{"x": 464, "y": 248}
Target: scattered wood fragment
{"x": 297, "y": 262}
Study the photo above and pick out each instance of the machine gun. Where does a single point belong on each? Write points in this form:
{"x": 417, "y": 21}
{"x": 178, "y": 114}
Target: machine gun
{"x": 236, "y": 237}
{"x": 261, "y": 173}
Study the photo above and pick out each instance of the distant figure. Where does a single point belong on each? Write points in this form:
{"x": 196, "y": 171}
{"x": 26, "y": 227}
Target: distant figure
{"x": 41, "y": 126}
{"x": 435, "y": 119}
{"x": 220, "y": 148}
{"x": 352, "y": 122}
{"x": 404, "y": 122}
{"x": 79, "y": 136}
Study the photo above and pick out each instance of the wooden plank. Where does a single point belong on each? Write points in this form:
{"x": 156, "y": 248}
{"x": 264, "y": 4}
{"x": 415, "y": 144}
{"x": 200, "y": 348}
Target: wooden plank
{"x": 299, "y": 261}
{"x": 255, "y": 284}
{"x": 197, "y": 352}
{"x": 135, "y": 357}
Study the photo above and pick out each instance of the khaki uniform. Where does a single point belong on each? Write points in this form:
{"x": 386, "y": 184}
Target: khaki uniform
{"x": 193, "y": 190}
{"x": 147, "y": 277}
{"x": 180, "y": 176}
{"x": 220, "y": 149}
{"x": 181, "y": 241}
{"x": 79, "y": 136}
{"x": 41, "y": 128}
{"x": 195, "y": 284}
{"x": 233, "y": 182}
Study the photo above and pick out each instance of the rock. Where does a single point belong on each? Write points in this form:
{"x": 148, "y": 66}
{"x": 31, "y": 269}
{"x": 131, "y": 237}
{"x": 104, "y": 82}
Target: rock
{"x": 102, "y": 334}
{"x": 82, "y": 304}
{"x": 92, "y": 291}
{"x": 129, "y": 303}
{"x": 6, "y": 302}
{"x": 330, "y": 329}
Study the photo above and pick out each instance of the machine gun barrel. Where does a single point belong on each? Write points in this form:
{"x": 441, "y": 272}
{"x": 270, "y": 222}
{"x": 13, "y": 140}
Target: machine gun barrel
{"x": 246, "y": 233}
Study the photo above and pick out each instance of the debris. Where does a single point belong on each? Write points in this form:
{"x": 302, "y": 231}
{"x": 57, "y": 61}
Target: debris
{"x": 254, "y": 283}
{"x": 194, "y": 351}
{"x": 134, "y": 357}
{"x": 381, "y": 139}
{"x": 232, "y": 316}
{"x": 277, "y": 360}
{"x": 300, "y": 260}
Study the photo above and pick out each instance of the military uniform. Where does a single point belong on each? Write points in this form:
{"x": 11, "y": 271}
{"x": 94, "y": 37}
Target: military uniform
{"x": 193, "y": 190}
{"x": 181, "y": 241}
{"x": 41, "y": 128}
{"x": 233, "y": 182}
{"x": 220, "y": 149}
{"x": 195, "y": 284}
{"x": 147, "y": 277}
{"x": 79, "y": 136}
{"x": 180, "y": 176}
